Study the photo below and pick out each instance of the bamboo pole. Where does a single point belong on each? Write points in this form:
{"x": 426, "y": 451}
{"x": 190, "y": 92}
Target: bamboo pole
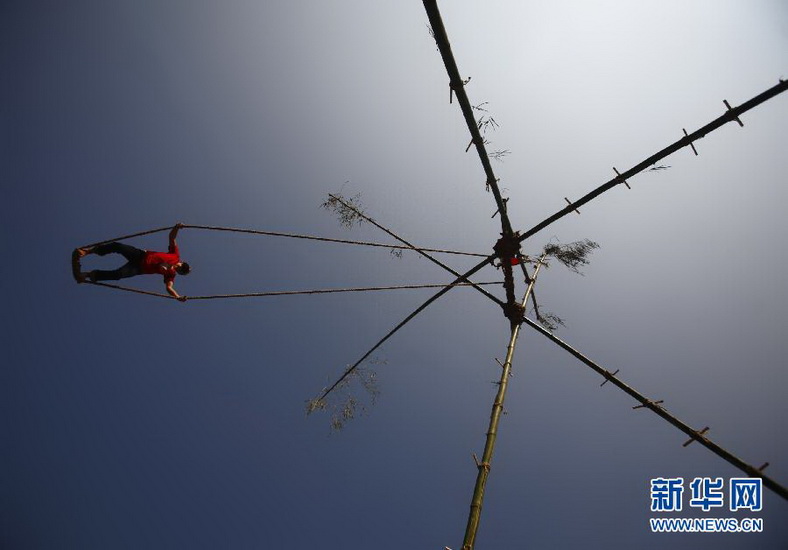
{"x": 458, "y": 88}
{"x": 730, "y": 116}
{"x": 696, "y": 435}
{"x": 474, "y": 515}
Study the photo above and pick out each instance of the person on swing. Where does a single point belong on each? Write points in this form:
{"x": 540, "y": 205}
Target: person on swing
{"x": 140, "y": 262}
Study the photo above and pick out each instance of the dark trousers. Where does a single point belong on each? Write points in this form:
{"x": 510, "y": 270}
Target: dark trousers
{"x": 131, "y": 268}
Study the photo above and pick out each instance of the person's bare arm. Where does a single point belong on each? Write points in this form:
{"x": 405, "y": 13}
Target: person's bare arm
{"x": 172, "y": 292}
{"x": 174, "y": 233}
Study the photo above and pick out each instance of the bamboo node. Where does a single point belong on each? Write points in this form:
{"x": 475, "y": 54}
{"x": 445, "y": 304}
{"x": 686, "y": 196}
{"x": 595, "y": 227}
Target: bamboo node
{"x": 454, "y": 86}
{"x": 481, "y": 465}
{"x": 503, "y": 201}
{"x": 690, "y": 143}
{"x": 728, "y": 105}
{"x": 572, "y": 205}
{"x": 698, "y": 435}
{"x": 648, "y": 403}
{"x": 623, "y": 180}
{"x": 608, "y": 375}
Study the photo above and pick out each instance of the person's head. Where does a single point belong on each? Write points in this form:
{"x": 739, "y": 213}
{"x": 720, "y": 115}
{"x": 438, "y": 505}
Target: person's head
{"x": 183, "y": 268}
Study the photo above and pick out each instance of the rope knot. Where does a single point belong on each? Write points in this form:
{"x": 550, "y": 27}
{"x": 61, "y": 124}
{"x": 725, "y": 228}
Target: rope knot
{"x": 507, "y": 249}
{"x": 514, "y": 312}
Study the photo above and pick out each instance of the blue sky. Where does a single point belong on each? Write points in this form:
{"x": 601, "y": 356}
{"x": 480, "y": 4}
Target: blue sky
{"x": 136, "y": 422}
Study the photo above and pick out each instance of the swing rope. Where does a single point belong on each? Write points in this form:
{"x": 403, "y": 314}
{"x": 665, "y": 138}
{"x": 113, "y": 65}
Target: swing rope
{"x": 285, "y": 292}
{"x": 288, "y": 235}
{"x": 281, "y": 292}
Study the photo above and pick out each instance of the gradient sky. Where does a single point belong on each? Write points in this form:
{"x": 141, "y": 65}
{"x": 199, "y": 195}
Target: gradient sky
{"x": 136, "y": 422}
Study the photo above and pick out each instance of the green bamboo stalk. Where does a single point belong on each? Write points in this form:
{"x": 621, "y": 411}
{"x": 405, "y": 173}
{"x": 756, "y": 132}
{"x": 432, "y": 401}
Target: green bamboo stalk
{"x": 475, "y": 513}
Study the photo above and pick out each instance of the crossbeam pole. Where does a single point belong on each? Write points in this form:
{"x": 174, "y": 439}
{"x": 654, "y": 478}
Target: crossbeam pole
{"x": 731, "y": 115}
{"x": 657, "y": 408}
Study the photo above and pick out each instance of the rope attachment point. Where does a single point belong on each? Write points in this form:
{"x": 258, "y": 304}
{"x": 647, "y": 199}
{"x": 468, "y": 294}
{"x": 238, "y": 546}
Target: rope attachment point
{"x": 481, "y": 465}
{"x": 514, "y": 312}
{"x": 507, "y": 250}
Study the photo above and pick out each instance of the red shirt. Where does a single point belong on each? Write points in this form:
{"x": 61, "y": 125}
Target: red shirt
{"x": 162, "y": 263}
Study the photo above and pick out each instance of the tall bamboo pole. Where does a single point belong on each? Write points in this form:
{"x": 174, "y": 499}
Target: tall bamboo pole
{"x": 492, "y": 432}
{"x": 457, "y": 86}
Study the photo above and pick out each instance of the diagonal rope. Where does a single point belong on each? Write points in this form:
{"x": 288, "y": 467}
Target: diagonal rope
{"x": 331, "y": 240}
{"x": 409, "y": 245}
{"x": 284, "y": 292}
{"x": 405, "y": 321}
{"x": 141, "y": 233}
{"x": 289, "y": 235}
{"x": 730, "y": 116}
{"x": 660, "y": 411}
